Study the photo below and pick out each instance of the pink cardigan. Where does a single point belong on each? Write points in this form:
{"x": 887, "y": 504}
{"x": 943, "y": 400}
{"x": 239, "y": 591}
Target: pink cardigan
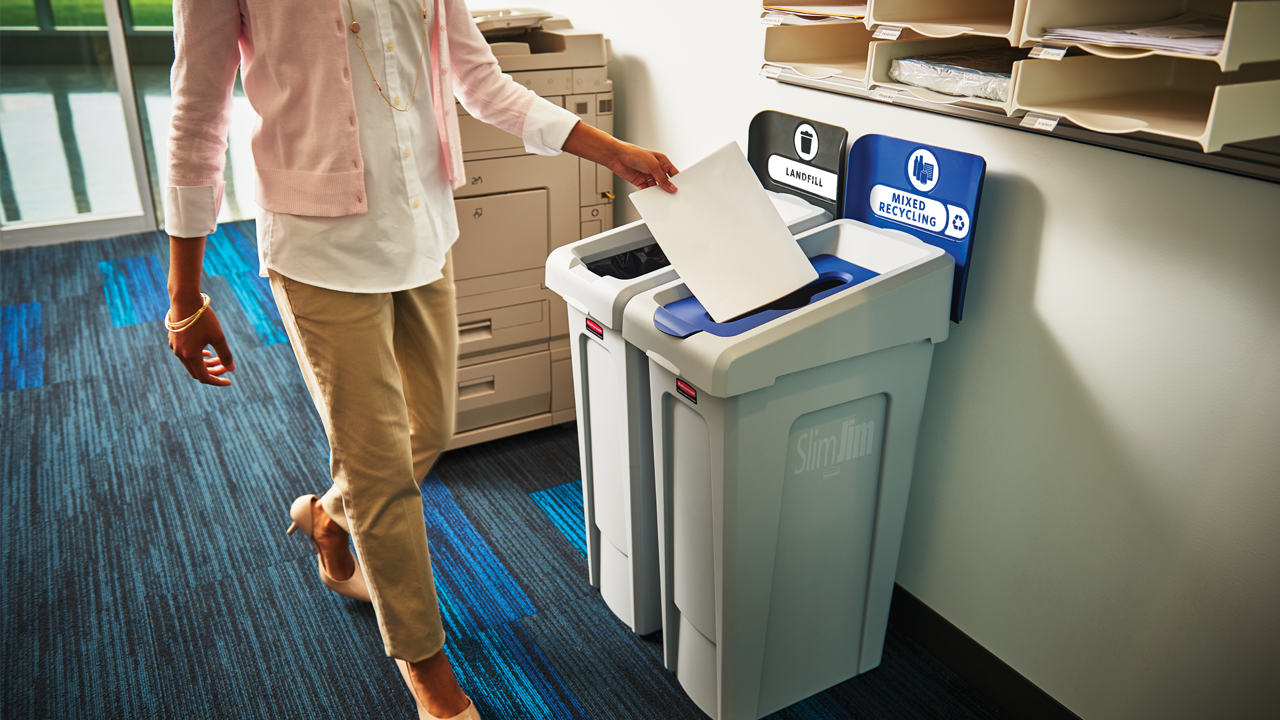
{"x": 293, "y": 60}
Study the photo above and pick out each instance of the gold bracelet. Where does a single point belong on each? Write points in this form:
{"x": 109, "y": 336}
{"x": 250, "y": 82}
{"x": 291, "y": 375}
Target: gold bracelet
{"x": 183, "y": 324}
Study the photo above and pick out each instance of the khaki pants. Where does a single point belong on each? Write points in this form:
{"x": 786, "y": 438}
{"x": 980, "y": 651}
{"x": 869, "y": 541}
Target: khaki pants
{"x": 381, "y": 369}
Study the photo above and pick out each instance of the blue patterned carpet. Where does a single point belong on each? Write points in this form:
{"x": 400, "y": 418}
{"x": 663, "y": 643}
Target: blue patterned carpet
{"x": 145, "y": 570}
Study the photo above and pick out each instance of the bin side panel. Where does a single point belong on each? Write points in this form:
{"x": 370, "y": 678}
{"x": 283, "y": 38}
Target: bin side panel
{"x": 609, "y": 464}
{"x": 824, "y": 550}
{"x": 578, "y": 348}
{"x": 909, "y": 366}
{"x": 694, "y": 572}
{"x": 644, "y": 522}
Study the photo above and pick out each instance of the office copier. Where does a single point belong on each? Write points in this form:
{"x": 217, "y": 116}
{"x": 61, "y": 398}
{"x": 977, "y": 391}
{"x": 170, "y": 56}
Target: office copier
{"x": 514, "y": 370}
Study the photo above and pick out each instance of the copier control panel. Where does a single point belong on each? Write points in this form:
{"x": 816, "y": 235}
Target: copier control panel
{"x": 514, "y": 362}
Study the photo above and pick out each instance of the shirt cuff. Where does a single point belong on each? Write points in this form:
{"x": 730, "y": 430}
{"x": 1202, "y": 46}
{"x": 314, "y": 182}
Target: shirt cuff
{"x": 546, "y": 127}
{"x": 192, "y": 211}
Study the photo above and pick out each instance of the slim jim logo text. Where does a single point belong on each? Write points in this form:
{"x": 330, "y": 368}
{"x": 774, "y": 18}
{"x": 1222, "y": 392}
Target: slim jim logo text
{"x": 853, "y": 441}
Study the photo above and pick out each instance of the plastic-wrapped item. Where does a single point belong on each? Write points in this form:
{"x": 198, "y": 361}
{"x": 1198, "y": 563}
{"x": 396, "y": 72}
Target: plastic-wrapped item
{"x": 631, "y": 264}
{"x": 974, "y": 73}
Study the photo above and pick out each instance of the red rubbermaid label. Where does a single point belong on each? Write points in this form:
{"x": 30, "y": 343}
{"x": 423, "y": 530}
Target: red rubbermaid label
{"x": 595, "y": 328}
{"x": 687, "y": 390}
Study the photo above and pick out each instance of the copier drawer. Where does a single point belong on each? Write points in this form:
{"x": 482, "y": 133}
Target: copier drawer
{"x": 511, "y": 389}
{"x": 503, "y": 327}
{"x": 500, "y": 234}
{"x": 478, "y": 135}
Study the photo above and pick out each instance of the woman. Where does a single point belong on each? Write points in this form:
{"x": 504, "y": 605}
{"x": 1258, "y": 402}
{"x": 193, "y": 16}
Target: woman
{"x": 356, "y": 153}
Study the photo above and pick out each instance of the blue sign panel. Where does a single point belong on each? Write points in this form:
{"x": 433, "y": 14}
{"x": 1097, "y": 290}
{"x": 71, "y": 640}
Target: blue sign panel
{"x": 928, "y": 191}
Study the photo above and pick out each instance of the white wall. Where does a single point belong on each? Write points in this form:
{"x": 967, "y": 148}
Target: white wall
{"x": 1097, "y": 490}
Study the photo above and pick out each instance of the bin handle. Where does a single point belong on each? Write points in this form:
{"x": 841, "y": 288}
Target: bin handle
{"x": 468, "y": 389}
{"x": 479, "y": 330}
{"x": 576, "y": 305}
{"x": 665, "y": 363}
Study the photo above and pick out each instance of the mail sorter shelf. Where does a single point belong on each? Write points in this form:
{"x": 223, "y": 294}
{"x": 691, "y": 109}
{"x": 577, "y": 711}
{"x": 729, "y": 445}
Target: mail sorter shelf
{"x": 1173, "y": 97}
{"x": 838, "y": 53}
{"x": 1258, "y": 159}
{"x": 843, "y": 11}
{"x": 1253, "y": 28}
{"x": 882, "y": 55}
{"x": 949, "y": 18}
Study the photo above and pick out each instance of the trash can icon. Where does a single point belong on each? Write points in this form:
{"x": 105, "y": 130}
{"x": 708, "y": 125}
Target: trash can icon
{"x": 806, "y": 142}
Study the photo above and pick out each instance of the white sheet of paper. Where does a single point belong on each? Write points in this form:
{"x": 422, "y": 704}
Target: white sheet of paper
{"x": 724, "y": 236}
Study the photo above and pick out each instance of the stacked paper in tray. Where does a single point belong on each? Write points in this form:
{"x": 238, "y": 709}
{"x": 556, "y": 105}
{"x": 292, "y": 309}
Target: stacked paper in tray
{"x": 980, "y": 73}
{"x": 821, "y": 12}
{"x": 723, "y": 235}
{"x": 1194, "y": 33}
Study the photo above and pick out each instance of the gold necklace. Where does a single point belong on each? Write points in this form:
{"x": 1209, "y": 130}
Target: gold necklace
{"x": 355, "y": 29}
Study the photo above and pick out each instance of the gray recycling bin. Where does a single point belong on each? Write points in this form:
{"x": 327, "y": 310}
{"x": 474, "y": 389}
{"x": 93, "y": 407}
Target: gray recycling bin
{"x": 597, "y": 277}
{"x": 784, "y": 440}
{"x": 781, "y": 474}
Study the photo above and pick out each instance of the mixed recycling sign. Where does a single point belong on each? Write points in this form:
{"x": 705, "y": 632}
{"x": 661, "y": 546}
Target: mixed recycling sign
{"x": 920, "y": 211}
{"x": 928, "y": 191}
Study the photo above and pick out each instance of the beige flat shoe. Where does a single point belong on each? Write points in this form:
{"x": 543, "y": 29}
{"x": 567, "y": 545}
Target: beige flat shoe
{"x": 469, "y": 714}
{"x": 353, "y": 587}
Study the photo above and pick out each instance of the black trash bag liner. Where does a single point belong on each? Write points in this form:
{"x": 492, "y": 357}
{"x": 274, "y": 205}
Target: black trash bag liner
{"x": 631, "y": 264}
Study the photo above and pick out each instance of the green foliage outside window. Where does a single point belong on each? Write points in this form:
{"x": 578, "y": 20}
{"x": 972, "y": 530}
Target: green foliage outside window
{"x": 84, "y": 13}
{"x": 152, "y": 13}
{"x": 18, "y": 13}
{"x": 78, "y": 13}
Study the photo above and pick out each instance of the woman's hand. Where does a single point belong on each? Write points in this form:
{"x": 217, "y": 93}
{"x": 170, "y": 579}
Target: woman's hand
{"x": 189, "y": 347}
{"x": 642, "y": 168}
{"x": 186, "y": 258}
{"x": 638, "y": 166}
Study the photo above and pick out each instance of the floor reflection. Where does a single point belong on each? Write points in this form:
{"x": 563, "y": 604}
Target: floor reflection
{"x": 64, "y": 150}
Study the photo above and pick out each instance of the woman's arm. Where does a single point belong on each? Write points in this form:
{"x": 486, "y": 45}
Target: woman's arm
{"x": 495, "y": 98}
{"x": 489, "y": 95}
{"x": 638, "y": 166}
{"x": 206, "y": 44}
{"x": 206, "y": 47}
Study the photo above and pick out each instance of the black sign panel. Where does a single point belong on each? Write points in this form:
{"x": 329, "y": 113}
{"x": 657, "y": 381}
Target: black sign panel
{"x": 800, "y": 157}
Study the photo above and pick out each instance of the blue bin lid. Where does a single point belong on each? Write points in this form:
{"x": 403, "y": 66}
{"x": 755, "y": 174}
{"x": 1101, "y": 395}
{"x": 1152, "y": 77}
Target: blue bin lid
{"x": 928, "y": 191}
{"x": 686, "y": 317}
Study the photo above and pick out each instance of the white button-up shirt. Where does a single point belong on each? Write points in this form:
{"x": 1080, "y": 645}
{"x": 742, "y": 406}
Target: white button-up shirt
{"x": 411, "y": 223}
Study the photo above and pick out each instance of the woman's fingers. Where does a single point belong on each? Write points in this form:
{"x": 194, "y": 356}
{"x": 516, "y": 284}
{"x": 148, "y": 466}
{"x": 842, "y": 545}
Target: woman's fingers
{"x": 220, "y": 344}
{"x": 657, "y": 169}
{"x": 214, "y": 364}
{"x": 645, "y": 168}
{"x": 667, "y": 166}
{"x": 637, "y": 178}
{"x": 189, "y": 346}
{"x": 196, "y": 368}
